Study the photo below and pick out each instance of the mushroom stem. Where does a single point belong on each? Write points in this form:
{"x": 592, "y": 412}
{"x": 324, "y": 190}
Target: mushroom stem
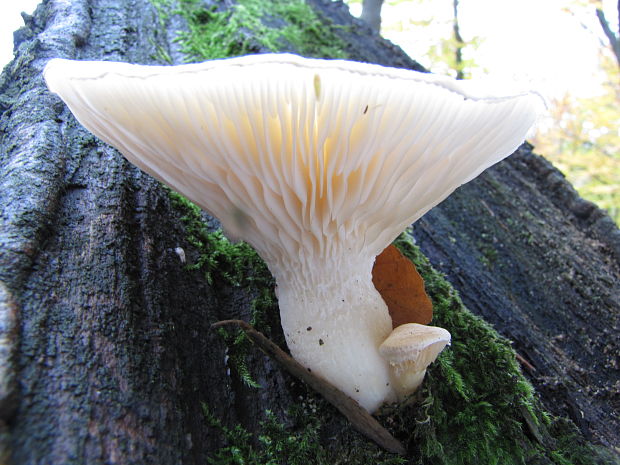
{"x": 334, "y": 321}
{"x": 406, "y": 382}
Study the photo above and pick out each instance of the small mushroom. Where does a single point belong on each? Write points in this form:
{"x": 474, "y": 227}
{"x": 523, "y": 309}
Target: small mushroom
{"x": 409, "y": 350}
{"x": 318, "y": 164}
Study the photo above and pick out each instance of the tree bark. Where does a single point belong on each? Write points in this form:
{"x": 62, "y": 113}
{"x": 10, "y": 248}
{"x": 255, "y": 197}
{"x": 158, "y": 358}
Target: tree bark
{"x": 115, "y": 355}
{"x": 371, "y": 13}
{"x": 106, "y": 351}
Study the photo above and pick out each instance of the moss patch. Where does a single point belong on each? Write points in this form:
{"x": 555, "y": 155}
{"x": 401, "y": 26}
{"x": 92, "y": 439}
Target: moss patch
{"x": 298, "y": 442}
{"x": 252, "y": 26}
{"x": 475, "y": 389}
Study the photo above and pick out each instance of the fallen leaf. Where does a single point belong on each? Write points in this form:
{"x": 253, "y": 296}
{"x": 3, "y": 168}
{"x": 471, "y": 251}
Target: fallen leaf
{"x": 402, "y": 288}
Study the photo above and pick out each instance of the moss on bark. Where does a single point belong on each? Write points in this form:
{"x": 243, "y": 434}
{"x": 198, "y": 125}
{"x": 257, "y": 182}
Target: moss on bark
{"x": 251, "y": 26}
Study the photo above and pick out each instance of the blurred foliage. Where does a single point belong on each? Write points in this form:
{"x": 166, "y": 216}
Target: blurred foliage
{"x": 582, "y": 139}
{"x": 437, "y": 19}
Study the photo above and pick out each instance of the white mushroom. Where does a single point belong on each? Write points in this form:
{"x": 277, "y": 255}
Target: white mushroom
{"x": 318, "y": 164}
{"x": 409, "y": 350}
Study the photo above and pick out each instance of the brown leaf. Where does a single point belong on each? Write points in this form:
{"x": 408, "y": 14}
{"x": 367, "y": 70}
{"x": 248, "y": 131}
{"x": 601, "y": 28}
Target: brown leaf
{"x": 402, "y": 288}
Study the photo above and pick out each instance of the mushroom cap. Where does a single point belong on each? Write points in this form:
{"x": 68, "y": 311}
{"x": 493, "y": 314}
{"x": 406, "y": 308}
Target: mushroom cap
{"x": 296, "y": 155}
{"x": 413, "y": 347}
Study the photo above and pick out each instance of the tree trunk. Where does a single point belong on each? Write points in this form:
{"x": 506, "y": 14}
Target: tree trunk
{"x": 106, "y": 352}
{"x": 459, "y": 43}
{"x": 371, "y": 13}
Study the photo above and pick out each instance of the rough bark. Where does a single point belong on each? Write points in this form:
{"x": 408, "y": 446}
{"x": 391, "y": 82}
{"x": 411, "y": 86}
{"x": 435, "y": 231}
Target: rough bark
{"x": 115, "y": 355}
{"x": 108, "y": 335}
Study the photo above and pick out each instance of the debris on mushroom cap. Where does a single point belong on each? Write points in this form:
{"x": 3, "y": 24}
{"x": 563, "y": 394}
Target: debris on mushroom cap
{"x": 318, "y": 164}
{"x": 409, "y": 350}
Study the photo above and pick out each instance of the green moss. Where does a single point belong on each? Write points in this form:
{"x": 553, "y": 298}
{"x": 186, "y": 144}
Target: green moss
{"x": 277, "y": 443}
{"x": 251, "y": 26}
{"x": 297, "y": 443}
{"x": 235, "y": 264}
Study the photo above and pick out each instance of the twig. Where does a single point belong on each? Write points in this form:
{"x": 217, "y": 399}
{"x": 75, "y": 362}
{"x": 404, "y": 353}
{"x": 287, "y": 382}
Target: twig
{"x": 525, "y": 363}
{"x": 361, "y": 420}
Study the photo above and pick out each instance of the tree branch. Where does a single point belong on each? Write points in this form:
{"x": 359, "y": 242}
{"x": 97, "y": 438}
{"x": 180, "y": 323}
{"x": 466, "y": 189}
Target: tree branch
{"x": 460, "y": 43}
{"x": 614, "y": 41}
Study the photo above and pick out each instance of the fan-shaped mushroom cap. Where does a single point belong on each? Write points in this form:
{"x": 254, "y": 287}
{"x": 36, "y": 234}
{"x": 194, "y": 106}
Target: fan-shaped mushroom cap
{"x": 318, "y": 164}
{"x": 409, "y": 350}
{"x": 294, "y": 150}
